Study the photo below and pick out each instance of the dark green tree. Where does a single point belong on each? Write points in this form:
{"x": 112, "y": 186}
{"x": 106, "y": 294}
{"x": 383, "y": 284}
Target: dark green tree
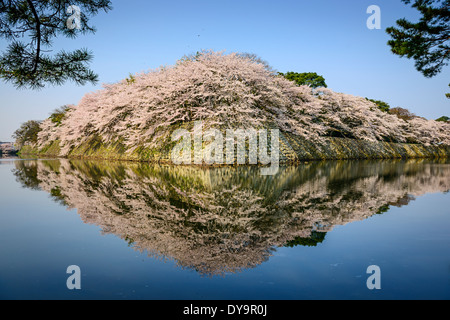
{"x": 311, "y": 79}
{"x": 27, "y": 133}
{"x": 383, "y": 106}
{"x": 443, "y": 119}
{"x": 28, "y": 64}
{"x": 427, "y": 42}
{"x": 312, "y": 241}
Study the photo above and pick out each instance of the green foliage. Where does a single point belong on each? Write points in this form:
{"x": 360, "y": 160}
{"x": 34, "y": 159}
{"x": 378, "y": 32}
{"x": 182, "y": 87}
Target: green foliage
{"x": 59, "y": 114}
{"x": 427, "y": 42}
{"x": 313, "y": 241}
{"x": 131, "y": 79}
{"x": 443, "y": 119}
{"x": 383, "y": 106}
{"x": 310, "y": 79}
{"x": 27, "y": 133}
{"x": 58, "y": 196}
{"x": 27, "y": 176}
{"x": 383, "y": 209}
{"x": 26, "y": 65}
{"x": 51, "y": 149}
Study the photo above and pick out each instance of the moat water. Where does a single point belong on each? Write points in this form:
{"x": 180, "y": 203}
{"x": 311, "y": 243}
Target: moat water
{"x": 141, "y": 231}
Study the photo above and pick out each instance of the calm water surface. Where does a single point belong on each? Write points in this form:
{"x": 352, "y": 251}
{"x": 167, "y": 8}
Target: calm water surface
{"x": 140, "y": 231}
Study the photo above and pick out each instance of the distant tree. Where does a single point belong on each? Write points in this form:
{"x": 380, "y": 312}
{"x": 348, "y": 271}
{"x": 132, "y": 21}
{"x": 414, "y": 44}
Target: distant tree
{"x": 443, "y": 119}
{"x": 27, "y": 133}
{"x": 427, "y": 41}
{"x": 383, "y": 106}
{"x": 402, "y": 113}
{"x": 310, "y": 79}
{"x": 25, "y": 64}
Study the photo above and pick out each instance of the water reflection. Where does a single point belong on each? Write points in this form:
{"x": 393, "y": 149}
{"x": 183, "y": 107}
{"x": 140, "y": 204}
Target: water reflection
{"x": 227, "y": 219}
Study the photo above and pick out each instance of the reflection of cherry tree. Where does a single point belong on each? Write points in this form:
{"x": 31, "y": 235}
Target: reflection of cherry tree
{"x": 227, "y": 219}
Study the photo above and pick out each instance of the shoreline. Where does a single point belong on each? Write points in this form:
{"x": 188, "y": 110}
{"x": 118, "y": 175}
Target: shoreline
{"x": 293, "y": 150}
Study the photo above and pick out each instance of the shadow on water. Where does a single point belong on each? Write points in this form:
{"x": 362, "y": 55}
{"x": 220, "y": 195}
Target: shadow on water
{"x": 228, "y": 219}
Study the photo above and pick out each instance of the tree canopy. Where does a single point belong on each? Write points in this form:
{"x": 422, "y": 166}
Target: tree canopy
{"x": 310, "y": 79}
{"x": 27, "y": 65}
{"x": 27, "y": 133}
{"x": 427, "y": 42}
{"x": 443, "y": 119}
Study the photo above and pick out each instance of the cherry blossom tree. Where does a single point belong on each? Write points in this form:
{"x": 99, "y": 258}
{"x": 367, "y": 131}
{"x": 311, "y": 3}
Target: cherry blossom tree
{"x": 226, "y": 91}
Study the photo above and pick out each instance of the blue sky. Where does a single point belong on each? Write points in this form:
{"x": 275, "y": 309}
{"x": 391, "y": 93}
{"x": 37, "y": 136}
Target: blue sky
{"x": 325, "y": 36}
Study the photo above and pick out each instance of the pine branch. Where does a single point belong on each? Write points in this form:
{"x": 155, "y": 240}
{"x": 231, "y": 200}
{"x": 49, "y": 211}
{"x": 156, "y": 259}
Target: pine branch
{"x": 26, "y": 64}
